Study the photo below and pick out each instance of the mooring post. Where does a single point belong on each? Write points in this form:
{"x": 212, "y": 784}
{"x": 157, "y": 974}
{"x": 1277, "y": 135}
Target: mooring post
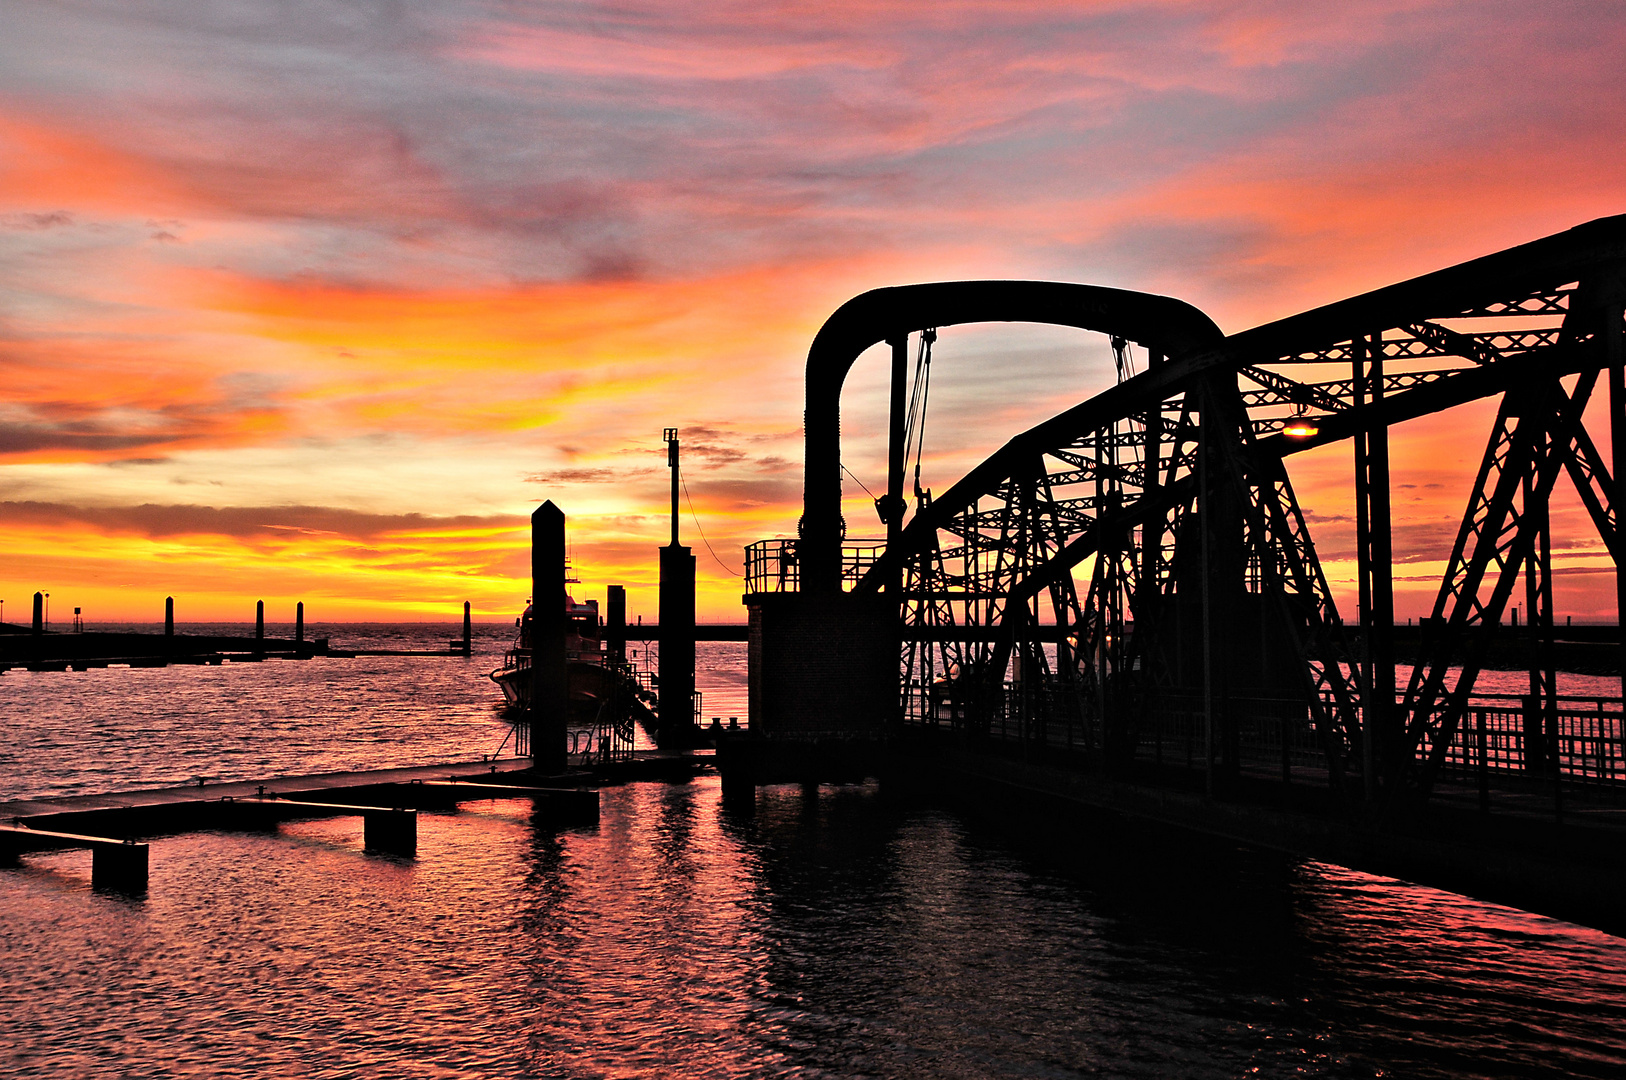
{"x": 676, "y": 705}
{"x": 39, "y": 614}
{"x": 299, "y": 621}
{"x": 550, "y": 686}
{"x": 259, "y": 626}
{"x": 468, "y": 631}
{"x": 615, "y": 635}
{"x": 169, "y": 616}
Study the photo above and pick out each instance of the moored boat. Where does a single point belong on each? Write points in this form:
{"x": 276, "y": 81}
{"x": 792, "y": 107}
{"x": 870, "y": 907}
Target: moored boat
{"x": 606, "y": 693}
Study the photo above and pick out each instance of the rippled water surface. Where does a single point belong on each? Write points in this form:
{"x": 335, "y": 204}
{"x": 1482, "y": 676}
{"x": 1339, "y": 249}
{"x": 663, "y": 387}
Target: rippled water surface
{"x": 853, "y": 931}
{"x": 850, "y": 933}
{"x": 113, "y": 729}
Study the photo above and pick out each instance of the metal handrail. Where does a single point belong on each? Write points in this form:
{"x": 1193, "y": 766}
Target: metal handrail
{"x": 774, "y": 566}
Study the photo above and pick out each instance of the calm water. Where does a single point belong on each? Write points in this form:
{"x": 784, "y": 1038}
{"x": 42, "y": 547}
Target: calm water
{"x": 112, "y": 729}
{"x": 859, "y": 931}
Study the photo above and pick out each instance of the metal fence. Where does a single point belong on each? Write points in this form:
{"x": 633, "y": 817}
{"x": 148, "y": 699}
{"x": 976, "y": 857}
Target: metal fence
{"x": 1505, "y": 734}
{"x": 1499, "y": 734}
{"x": 772, "y": 566}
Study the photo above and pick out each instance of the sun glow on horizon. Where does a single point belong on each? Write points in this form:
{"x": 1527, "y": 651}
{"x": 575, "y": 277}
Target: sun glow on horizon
{"x": 321, "y": 311}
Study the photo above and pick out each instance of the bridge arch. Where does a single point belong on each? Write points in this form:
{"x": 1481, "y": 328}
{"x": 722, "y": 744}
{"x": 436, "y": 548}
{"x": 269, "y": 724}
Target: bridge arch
{"x": 1160, "y": 323}
{"x": 1180, "y": 469}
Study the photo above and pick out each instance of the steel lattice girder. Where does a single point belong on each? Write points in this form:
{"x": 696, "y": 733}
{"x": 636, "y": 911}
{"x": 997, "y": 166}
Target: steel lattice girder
{"x": 1543, "y": 267}
{"x": 1535, "y": 281}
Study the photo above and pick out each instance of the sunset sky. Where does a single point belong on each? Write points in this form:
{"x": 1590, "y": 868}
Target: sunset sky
{"x": 318, "y": 300}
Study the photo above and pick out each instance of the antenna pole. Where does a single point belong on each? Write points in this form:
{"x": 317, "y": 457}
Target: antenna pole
{"x": 671, "y": 437}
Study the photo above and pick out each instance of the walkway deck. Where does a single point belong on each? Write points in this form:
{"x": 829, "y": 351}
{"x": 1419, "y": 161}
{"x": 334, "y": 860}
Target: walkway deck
{"x": 386, "y": 799}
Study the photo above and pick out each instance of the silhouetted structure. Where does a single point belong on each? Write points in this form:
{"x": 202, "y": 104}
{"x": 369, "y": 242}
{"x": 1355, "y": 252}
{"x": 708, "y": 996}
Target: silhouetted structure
{"x": 676, "y": 690}
{"x": 549, "y": 703}
{"x": 1131, "y": 585}
{"x": 615, "y": 631}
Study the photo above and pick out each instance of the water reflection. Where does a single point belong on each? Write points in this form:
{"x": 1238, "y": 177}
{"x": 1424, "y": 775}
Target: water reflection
{"x": 859, "y": 933}
{"x": 114, "y": 729}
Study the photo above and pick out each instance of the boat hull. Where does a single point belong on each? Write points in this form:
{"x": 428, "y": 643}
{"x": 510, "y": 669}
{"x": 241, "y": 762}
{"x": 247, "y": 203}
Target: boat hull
{"x": 590, "y": 684}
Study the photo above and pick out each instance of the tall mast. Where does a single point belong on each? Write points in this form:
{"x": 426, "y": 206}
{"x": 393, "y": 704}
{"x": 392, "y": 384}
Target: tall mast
{"x": 671, "y": 437}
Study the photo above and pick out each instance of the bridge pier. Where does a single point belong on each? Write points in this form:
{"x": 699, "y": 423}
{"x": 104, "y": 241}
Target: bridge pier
{"x": 1575, "y": 871}
{"x": 823, "y": 689}
{"x": 1219, "y": 640}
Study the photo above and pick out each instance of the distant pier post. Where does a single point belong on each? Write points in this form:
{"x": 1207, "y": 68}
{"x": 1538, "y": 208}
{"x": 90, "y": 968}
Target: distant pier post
{"x": 259, "y": 626}
{"x": 299, "y": 622}
{"x": 615, "y": 636}
{"x": 169, "y": 616}
{"x": 550, "y": 687}
{"x": 468, "y": 630}
{"x": 39, "y": 614}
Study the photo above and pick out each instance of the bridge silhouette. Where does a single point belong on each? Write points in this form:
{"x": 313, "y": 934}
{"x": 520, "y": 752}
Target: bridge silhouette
{"x": 1123, "y": 606}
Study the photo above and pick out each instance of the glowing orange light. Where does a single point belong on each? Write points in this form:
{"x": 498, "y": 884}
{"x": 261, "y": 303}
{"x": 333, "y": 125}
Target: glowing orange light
{"x": 1300, "y": 429}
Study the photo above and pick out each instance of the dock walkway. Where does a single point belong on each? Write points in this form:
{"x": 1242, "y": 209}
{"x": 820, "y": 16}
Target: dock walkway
{"x": 59, "y": 806}
{"x": 387, "y": 801}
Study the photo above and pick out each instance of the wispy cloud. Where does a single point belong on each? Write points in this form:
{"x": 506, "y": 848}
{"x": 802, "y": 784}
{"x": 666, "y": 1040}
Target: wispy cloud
{"x": 461, "y": 236}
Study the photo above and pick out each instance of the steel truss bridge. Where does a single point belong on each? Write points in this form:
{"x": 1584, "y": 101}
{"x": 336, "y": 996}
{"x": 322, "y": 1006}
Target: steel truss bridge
{"x": 1135, "y": 577}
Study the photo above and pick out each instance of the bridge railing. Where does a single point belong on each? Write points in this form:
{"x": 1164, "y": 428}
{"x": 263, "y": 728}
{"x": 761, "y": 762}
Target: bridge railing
{"x": 1263, "y": 732}
{"x": 1505, "y": 734}
{"x": 773, "y": 566}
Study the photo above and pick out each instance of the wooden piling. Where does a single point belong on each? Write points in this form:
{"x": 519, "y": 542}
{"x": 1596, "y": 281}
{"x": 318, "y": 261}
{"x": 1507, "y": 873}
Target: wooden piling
{"x": 615, "y": 635}
{"x": 299, "y": 622}
{"x": 259, "y": 626}
{"x": 39, "y": 614}
{"x": 169, "y": 616}
{"x": 550, "y": 688}
{"x": 468, "y": 630}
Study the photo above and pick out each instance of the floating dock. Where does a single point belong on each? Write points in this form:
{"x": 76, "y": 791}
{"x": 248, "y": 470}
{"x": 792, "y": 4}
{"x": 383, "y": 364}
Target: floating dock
{"x": 387, "y": 801}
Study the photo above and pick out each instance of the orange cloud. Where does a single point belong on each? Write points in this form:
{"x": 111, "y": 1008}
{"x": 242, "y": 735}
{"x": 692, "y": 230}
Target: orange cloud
{"x": 518, "y": 247}
{"x": 45, "y": 164}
